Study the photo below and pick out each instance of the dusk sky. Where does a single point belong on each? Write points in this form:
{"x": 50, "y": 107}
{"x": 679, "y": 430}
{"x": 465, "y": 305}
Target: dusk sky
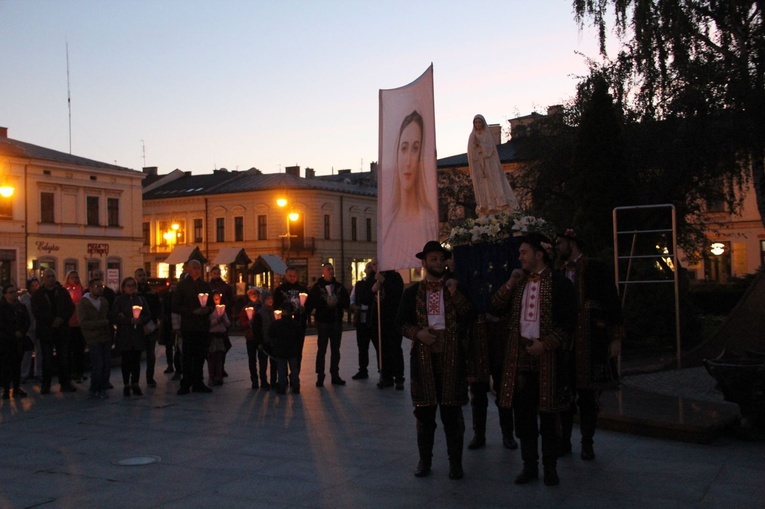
{"x": 237, "y": 84}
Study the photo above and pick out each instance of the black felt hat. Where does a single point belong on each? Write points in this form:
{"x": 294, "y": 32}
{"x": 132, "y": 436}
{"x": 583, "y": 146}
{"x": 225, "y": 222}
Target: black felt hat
{"x": 431, "y": 246}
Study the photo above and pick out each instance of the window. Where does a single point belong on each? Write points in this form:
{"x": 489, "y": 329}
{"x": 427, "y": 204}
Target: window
{"x": 262, "y": 227}
{"x": 6, "y": 207}
{"x": 369, "y": 229}
{"x": 161, "y": 230}
{"x": 238, "y": 229}
{"x": 46, "y": 208}
{"x": 92, "y": 202}
{"x": 354, "y": 228}
{"x": 220, "y": 229}
{"x": 326, "y": 226}
{"x": 198, "y": 230}
{"x": 146, "y": 228}
{"x": 113, "y": 211}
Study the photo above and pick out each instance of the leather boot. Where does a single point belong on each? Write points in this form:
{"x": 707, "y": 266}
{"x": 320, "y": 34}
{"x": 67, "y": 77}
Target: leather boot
{"x": 566, "y": 424}
{"x": 454, "y": 448}
{"x": 425, "y": 439}
{"x": 479, "y": 426}
{"x": 530, "y": 457}
{"x": 551, "y": 474}
{"x": 507, "y": 425}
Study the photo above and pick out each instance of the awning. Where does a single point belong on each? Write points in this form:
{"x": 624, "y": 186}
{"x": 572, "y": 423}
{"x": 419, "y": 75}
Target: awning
{"x": 229, "y": 255}
{"x": 182, "y": 254}
{"x": 269, "y": 263}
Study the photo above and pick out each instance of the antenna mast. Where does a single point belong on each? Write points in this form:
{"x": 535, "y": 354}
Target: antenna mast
{"x": 143, "y": 145}
{"x": 68, "y": 97}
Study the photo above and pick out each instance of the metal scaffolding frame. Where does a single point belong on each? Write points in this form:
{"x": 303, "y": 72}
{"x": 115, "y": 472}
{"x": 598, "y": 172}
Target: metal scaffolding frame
{"x": 631, "y": 256}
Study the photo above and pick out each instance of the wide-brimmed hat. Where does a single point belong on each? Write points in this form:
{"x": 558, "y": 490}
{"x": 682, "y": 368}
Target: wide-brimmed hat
{"x": 570, "y": 234}
{"x": 431, "y": 246}
{"x": 539, "y": 241}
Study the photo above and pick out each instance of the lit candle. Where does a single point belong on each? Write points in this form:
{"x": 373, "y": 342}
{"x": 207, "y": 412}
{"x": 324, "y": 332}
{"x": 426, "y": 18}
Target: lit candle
{"x": 219, "y": 309}
{"x": 303, "y": 297}
{"x": 250, "y": 311}
{"x": 136, "y": 313}
{"x": 203, "y": 299}
{"x": 278, "y": 314}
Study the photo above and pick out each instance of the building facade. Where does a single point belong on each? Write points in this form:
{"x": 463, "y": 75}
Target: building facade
{"x": 221, "y": 214}
{"x": 66, "y": 213}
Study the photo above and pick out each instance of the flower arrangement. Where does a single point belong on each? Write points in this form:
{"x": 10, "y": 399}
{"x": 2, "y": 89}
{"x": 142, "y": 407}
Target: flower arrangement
{"x": 496, "y": 227}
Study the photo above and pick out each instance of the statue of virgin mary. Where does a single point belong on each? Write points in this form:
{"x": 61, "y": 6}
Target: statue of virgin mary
{"x": 493, "y": 193}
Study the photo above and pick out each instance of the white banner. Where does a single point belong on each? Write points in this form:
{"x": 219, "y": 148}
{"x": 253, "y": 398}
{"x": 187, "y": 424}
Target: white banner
{"x": 407, "y": 198}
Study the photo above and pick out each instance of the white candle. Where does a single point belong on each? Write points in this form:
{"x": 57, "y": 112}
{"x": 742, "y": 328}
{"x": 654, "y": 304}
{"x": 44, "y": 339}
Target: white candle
{"x": 137, "y": 311}
{"x": 303, "y": 297}
{"x": 250, "y": 311}
{"x": 278, "y": 314}
{"x": 203, "y": 299}
{"x": 219, "y": 309}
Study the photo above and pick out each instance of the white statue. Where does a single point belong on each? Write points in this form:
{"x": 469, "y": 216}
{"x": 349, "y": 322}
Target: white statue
{"x": 493, "y": 193}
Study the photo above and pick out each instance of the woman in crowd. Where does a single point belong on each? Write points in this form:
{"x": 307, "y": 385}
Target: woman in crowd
{"x": 15, "y": 322}
{"x": 219, "y": 324}
{"x": 130, "y": 340}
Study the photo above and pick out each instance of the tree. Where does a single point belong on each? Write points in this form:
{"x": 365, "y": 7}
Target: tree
{"x": 698, "y": 60}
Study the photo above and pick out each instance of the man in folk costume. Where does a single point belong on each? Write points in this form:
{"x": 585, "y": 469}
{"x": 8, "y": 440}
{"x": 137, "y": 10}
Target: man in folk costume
{"x": 542, "y": 317}
{"x": 598, "y": 338}
{"x": 429, "y": 315}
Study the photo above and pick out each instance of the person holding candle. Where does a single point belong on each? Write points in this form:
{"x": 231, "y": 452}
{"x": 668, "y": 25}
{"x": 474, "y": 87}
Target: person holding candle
{"x": 330, "y": 299}
{"x": 287, "y": 336}
{"x": 261, "y": 322}
{"x": 191, "y": 301}
{"x": 219, "y": 324}
{"x": 245, "y": 321}
{"x": 296, "y": 292}
{"x": 155, "y": 310}
{"x": 130, "y": 313}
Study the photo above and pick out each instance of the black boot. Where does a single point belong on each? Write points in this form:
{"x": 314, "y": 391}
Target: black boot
{"x": 479, "y": 425}
{"x": 551, "y": 474}
{"x": 454, "y": 447}
{"x": 507, "y": 424}
{"x": 530, "y": 457}
{"x": 566, "y": 424}
{"x": 425, "y": 446}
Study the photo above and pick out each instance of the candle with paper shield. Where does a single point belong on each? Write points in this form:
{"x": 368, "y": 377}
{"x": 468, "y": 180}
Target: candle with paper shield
{"x": 303, "y": 297}
{"x": 250, "y": 312}
{"x": 136, "y": 313}
{"x": 220, "y": 309}
{"x": 203, "y": 299}
{"x": 278, "y": 314}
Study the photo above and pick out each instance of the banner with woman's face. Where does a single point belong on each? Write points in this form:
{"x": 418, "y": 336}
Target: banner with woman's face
{"x": 407, "y": 197}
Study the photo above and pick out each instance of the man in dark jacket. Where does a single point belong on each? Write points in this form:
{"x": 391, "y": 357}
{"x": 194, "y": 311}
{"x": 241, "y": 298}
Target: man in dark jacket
{"x": 329, "y": 298}
{"x": 388, "y": 287}
{"x": 362, "y": 304}
{"x": 53, "y": 307}
{"x": 598, "y": 338}
{"x": 195, "y": 326}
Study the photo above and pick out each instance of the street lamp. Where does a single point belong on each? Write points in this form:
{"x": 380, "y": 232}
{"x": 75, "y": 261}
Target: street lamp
{"x": 292, "y": 216}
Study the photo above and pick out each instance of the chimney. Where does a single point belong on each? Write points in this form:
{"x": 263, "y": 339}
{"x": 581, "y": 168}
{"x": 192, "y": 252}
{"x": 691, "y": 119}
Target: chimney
{"x": 310, "y": 173}
{"x": 151, "y": 170}
{"x": 4, "y": 133}
{"x": 343, "y": 172}
{"x": 496, "y": 132}
{"x": 292, "y": 170}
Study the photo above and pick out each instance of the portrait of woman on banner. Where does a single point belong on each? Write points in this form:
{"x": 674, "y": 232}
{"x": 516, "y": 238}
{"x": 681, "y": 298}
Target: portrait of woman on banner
{"x": 412, "y": 219}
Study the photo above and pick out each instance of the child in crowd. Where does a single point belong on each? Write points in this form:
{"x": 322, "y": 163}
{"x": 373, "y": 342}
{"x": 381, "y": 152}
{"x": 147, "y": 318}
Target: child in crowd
{"x": 219, "y": 324}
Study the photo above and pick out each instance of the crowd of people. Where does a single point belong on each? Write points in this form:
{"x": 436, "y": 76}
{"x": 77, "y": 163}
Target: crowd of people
{"x": 550, "y": 340}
